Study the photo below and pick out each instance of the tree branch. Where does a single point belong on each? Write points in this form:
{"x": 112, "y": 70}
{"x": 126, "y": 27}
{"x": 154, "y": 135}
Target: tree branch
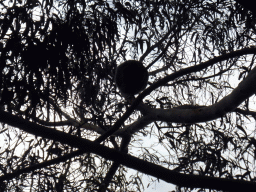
{"x": 157, "y": 171}
{"x": 171, "y": 77}
{"x": 111, "y": 172}
{"x": 228, "y": 104}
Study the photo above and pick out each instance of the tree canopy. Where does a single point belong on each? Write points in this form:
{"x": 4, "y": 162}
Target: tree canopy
{"x": 67, "y": 127}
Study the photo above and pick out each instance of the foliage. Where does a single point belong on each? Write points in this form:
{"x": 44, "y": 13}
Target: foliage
{"x": 58, "y": 60}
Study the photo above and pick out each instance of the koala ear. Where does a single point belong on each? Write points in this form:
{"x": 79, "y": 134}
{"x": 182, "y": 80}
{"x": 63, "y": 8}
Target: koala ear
{"x": 131, "y": 77}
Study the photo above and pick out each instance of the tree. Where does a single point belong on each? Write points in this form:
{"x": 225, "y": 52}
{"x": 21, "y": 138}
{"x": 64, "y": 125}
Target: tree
{"x": 65, "y": 125}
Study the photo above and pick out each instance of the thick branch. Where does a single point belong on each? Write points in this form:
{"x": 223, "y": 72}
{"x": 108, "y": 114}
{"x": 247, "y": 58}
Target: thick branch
{"x": 171, "y": 78}
{"x": 228, "y": 104}
{"x": 128, "y": 160}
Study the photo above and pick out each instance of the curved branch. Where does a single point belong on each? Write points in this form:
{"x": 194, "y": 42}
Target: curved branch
{"x": 171, "y": 77}
{"x": 157, "y": 171}
{"x": 228, "y": 104}
{"x": 243, "y": 91}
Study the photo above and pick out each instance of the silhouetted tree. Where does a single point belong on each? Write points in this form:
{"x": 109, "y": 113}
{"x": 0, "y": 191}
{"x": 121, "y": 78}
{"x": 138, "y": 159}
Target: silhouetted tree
{"x": 66, "y": 126}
